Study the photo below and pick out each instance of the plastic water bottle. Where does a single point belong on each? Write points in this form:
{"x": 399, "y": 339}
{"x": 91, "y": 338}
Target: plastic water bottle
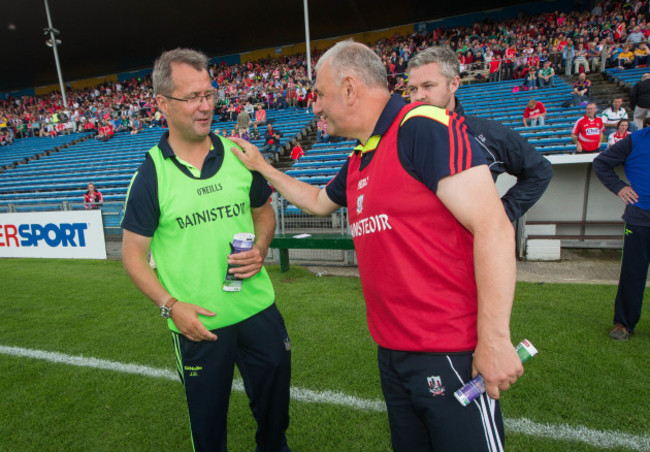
{"x": 472, "y": 390}
{"x": 242, "y": 241}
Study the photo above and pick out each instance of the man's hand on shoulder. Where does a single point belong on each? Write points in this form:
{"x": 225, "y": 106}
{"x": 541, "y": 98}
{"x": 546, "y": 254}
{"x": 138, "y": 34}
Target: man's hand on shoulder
{"x": 250, "y": 156}
{"x": 186, "y": 319}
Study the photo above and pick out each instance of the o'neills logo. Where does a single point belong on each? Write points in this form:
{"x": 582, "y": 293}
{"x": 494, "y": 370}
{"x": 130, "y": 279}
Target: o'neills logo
{"x": 370, "y": 225}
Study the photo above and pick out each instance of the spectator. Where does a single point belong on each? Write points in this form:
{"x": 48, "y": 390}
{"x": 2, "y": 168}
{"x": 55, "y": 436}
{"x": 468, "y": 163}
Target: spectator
{"x": 93, "y": 199}
{"x": 243, "y": 120}
{"x": 641, "y": 54}
{"x": 5, "y": 138}
{"x": 292, "y": 97}
{"x": 612, "y": 115}
{"x": 640, "y": 100}
{"x": 321, "y": 131}
{"x": 250, "y": 109}
{"x": 546, "y": 75}
{"x": 593, "y": 55}
{"x": 632, "y": 153}
{"x": 297, "y": 152}
{"x": 636, "y": 36}
{"x": 597, "y": 10}
{"x": 536, "y": 112}
{"x": 89, "y": 125}
{"x": 587, "y": 132}
{"x": 625, "y": 58}
{"x": 532, "y": 81}
{"x": 301, "y": 93}
{"x": 260, "y": 115}
{"x": 311, "y": 98}
{"x": 580, "y": 59}
{"x": 279, "y": 101}
{"x": 255, "y": 132}
{"x": 581, "y": 91}
{"x": 244, "y": 135}
{"x": 620, "y": 133}
{"x": 157, "y": 119}
{"x": 568, "y": 54}
{"x": 272, "y": 142}
{"x": 105, "y": 131}
{"x": 495, "y": 68}
{"x": 136, "y": 125}
{"x": 508, "y": 62}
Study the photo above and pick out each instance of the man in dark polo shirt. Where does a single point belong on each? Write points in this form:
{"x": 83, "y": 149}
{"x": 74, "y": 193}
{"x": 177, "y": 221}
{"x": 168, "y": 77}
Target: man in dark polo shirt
{"x": 186, "y": 202}
{"x": 435, "y": 251}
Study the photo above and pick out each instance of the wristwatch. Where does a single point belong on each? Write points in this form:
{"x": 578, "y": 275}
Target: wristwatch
{"x": 166, "y": 309}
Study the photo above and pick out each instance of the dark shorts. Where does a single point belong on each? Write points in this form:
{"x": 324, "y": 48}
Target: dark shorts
{"x": 423, "y": 413}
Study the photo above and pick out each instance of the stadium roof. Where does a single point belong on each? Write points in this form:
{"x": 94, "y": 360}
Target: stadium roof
{"x": 105, "y": 37}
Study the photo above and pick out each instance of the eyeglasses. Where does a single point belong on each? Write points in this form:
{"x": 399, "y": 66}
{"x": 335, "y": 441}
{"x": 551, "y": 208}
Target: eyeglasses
{"x": 194, "y": 98}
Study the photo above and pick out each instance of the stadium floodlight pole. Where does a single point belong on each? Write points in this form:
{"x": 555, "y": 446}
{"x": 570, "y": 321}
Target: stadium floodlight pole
{"x": 307, "y": 43}
{"x": 53, "y": 32}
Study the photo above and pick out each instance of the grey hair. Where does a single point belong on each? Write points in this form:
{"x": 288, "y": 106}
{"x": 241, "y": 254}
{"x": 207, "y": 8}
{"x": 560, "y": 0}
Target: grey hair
{"x": 444, "y": 56}
{"x": 347, "y": 57}
{"x": 162, "y": 68}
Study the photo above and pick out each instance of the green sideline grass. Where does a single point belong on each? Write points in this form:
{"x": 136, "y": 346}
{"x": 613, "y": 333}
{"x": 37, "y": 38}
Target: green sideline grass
{"x": 90, "y": 308}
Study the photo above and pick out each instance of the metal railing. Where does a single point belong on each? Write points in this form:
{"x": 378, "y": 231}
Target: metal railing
{"x": 291, "y": 220}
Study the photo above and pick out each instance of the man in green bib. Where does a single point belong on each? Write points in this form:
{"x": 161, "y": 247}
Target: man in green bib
{"x": 185, "y": 203}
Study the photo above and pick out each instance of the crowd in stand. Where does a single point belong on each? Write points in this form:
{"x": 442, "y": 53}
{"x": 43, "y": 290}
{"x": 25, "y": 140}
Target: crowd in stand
{"x": 531, "y": 48}
{"x": 110, "y": 107}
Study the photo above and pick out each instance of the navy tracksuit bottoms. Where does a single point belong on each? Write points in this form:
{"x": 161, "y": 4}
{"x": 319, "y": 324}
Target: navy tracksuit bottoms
{"x": 634, "y": 274}
{"x": 261, "y": 348}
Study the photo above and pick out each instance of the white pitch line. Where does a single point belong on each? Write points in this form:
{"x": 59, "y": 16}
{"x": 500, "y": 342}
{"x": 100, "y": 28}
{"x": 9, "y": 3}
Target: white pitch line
{"x": 560, "y": 432}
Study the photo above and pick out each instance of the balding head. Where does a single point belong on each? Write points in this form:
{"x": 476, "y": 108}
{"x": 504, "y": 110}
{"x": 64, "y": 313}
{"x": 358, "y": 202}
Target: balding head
{"x": 348, "y": 58}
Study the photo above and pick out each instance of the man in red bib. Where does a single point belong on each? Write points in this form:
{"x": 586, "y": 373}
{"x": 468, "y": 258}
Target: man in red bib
{"x": 587, "y": 132}
{"x": 435, "y": 251}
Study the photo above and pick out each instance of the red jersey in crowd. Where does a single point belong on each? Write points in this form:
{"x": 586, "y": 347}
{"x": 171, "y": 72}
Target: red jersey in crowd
{"x": 588, "y": 132}
{"x": 93, "y": 200}
{"x": 538, "y": 109}
{"x": 106, "y": 131}
{"x": 297, "y": 152}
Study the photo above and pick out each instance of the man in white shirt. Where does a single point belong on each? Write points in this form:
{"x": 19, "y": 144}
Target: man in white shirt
{"x": 612, "y": 115}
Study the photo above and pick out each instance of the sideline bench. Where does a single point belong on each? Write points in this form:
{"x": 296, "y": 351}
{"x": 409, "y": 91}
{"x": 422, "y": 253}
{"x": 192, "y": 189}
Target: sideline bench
{"x": 285, "y": 242}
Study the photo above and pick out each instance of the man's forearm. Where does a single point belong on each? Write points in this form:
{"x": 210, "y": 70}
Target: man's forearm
{"x": 495, "y": 266}
{"x": 304, "y": 196}
{"x": 309, "y": 198}
{"x": 135, "y": 263}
